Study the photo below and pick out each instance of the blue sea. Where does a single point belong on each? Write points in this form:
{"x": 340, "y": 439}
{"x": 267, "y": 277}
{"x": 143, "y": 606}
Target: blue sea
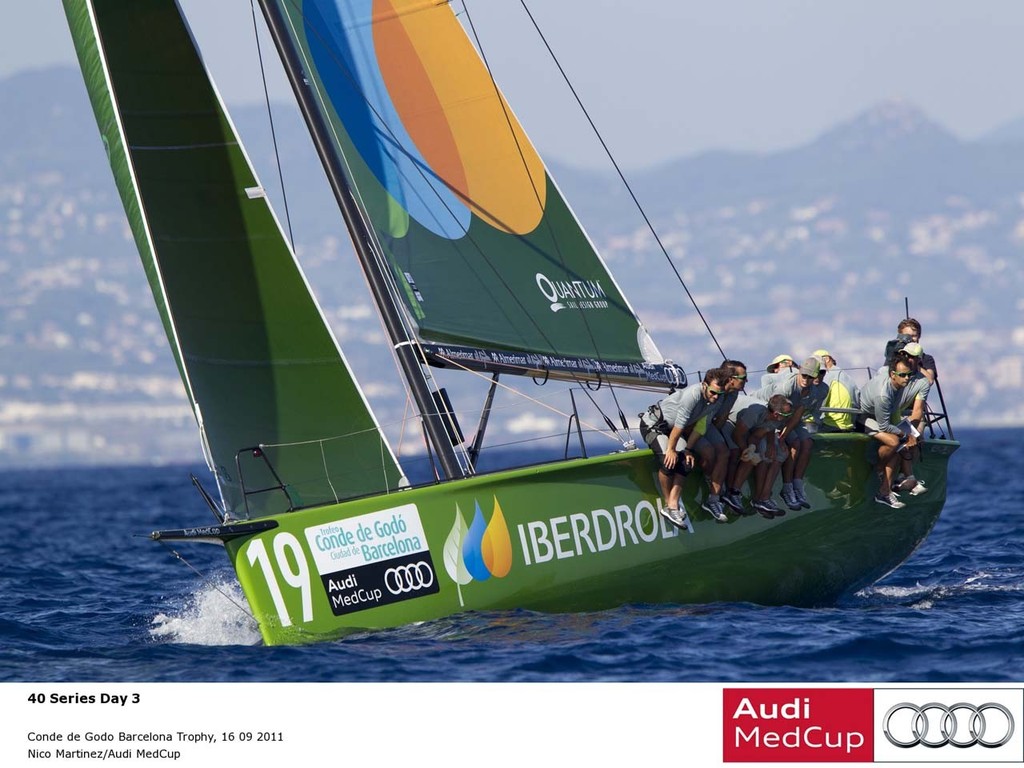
{"x": 87, "y": 598}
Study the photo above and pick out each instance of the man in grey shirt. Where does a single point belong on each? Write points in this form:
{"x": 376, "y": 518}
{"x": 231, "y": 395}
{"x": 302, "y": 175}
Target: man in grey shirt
{"x": 880, "y": 400}
{"x": 681, "y": 411}
{"x": 753, "y": 426}
{"x": 807, "y": 393}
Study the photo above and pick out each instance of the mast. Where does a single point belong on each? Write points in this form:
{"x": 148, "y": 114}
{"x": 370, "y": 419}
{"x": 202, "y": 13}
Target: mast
{"x": 401, "y": 341}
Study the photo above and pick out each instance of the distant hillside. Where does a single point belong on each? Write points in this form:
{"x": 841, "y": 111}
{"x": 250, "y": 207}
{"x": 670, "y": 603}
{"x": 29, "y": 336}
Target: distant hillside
{"x": 1008, "y": 133}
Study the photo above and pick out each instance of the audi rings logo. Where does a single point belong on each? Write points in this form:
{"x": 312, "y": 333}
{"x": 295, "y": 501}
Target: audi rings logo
{"x": 959, "y": 725}
{"x": 409, "y": 578}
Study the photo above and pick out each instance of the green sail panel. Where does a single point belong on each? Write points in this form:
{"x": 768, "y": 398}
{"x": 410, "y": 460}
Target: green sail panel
{"x": 258, "y": 361}
{"x": 482, "y": 246}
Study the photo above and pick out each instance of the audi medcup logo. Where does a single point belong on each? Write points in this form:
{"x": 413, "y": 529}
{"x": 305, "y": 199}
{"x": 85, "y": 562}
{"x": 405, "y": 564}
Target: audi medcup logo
{"x": 374, "y": 559}
{"x": 949, "y": 725}
{"x": 795, "y": 725}
{"x": 411, "y": 577}
{"x": 921, "y": 725}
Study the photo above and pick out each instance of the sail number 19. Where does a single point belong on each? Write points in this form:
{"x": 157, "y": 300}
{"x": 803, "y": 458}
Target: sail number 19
{"x": 294, "y": 572}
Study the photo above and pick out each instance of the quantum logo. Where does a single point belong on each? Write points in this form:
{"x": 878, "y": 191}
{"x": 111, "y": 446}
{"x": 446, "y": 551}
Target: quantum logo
{"x": 479, "y": 551}
{"x": 572, "y": 294}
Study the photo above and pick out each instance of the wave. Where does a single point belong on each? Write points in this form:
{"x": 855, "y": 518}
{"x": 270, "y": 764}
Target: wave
{"x": 924, "y": 596}
{"x": 216, "y": 614}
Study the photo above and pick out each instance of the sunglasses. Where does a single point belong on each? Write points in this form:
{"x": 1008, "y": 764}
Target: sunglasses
{"x": 904, "y": 375}
{"x": 715, "y": 391}
{"x": 739, "y": 377}
{"x": 784, "y": 414}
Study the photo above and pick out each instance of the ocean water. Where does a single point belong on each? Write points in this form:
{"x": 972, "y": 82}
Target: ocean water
{"x": 86, "y": 598}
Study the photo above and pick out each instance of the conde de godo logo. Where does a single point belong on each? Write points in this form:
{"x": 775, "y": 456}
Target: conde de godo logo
{"x": 479, "y": 551}
{"x": 863, "y": 725}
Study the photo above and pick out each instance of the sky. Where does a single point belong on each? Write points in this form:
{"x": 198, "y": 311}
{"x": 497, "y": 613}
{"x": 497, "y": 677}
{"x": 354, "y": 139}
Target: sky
{"x": 663, "y": 79}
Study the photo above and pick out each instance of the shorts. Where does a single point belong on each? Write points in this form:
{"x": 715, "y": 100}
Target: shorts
{"x": 659, "y": 444}
{"x": 799, "y": 433}
{"x": 780, "y": 455}
{"x": 723, "y": 436}
{"x": 871, "y": 426}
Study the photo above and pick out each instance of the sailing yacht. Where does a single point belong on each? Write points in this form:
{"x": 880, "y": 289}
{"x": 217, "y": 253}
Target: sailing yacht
{"x": 477, "y": 264}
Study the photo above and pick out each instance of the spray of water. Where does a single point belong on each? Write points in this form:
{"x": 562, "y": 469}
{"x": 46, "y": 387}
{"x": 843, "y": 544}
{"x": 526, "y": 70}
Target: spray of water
{"x": 213, "y": 615}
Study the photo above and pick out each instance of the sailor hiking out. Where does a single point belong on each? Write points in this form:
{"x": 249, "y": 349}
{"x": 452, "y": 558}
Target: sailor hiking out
{"x": 675, "y": 419}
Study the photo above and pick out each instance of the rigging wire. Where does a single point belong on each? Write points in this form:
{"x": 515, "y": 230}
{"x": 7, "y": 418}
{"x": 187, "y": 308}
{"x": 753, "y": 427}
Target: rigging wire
{"x": 273, "y": 132}
{"x": 209, "y": 581}
{"x": 622, "y": 177}
{"x": 536, "y": 193}
{"x": 427, "y": 174}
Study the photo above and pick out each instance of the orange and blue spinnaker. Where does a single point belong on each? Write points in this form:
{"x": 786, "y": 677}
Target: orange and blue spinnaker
{"x": 425, "y": 117}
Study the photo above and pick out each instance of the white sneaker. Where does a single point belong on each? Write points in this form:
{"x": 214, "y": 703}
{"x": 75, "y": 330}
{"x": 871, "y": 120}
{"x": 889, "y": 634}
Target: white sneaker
{"x": 671, "y": 514}
{"x": 904, "y": 483}
{"x": 890, "y": 500}
{"x": 918, "y": 489}
{"x": 677, "y": 517}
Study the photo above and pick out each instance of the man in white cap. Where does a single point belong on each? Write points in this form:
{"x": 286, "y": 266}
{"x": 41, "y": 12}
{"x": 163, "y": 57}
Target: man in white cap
{"x": 780, "y": 364}
{"x": 806, "y": 392}
{"x": 842, "y": 393}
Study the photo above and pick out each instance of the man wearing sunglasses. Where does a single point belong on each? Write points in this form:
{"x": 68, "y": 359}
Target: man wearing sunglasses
{"x": 753, "y": 426}
{"x": 677, "y": 444}
{"x": 879, "y": 402}
{"x": 716, "y": 433}
{"x": 805, "y": 390}
{"x": 913, "y": 405}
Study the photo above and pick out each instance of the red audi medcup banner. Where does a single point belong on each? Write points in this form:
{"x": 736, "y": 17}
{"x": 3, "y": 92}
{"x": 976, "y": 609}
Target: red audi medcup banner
{"x": 798, "y": 725}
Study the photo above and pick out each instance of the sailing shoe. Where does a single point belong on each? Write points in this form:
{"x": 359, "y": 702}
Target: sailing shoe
{"x": 671, "y": 514}
{"x": 677, "y": 517}
{"x": 904, "y": 482}
{"x": 715, "y": 509}
{"x": 801, "y": 497}
{"x": 734, "y": 499}
{"x": 789, "y": 496}
{"x": 918, "y": 489}
{"x": 764, "y": 508}
{"x": 890, "y": 500}
{"x": 775, "y": 508}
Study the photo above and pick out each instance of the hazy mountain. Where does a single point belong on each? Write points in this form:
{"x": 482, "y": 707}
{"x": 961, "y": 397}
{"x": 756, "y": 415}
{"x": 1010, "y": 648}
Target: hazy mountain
{"x": 1008, "y": 133}
{"x": 785, "y": 252}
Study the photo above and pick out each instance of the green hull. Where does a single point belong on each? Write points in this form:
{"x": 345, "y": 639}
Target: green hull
{"x": 580, "y": 535}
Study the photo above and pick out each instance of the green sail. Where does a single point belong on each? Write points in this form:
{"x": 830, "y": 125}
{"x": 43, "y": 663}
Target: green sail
{"x": 259, "y": 363}
{"x": 482, "y": 247}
